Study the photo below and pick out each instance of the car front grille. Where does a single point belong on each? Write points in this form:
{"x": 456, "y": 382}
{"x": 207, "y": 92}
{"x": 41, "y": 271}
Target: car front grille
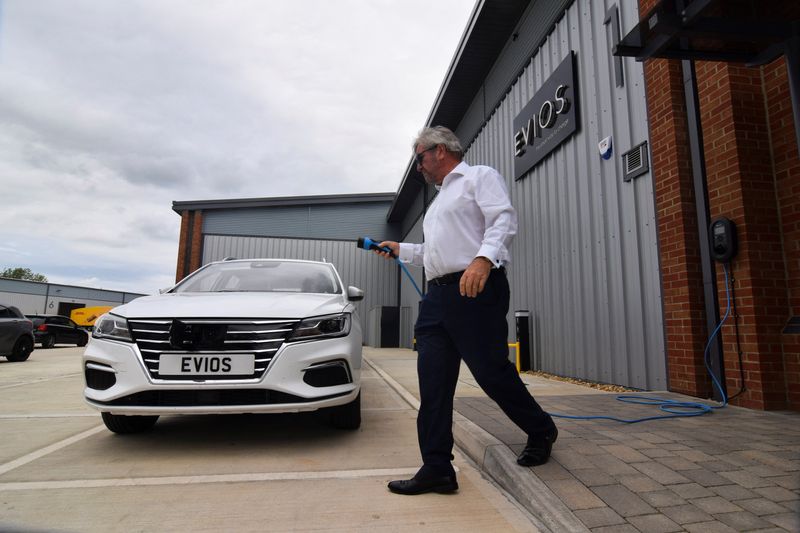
{"x": 258, "y": 336}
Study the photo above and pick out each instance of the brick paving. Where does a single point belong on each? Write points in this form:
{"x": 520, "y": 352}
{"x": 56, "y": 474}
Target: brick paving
{"x": 732, "y": 470}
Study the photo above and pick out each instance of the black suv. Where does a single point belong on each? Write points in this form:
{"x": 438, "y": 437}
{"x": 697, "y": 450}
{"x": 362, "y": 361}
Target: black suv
{"x": 55, "y": 329}
{"x": 16, "y": 337}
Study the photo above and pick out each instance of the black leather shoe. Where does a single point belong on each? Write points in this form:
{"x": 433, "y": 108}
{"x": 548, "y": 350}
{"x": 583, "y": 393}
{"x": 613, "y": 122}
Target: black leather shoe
{"x": 440, "y": 484}
{"x": 537, "y": 450}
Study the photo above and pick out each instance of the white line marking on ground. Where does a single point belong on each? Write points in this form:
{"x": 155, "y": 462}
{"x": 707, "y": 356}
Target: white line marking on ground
{"x": 36, "y": 382}
{"x": 25, "y": 459}
{"x": 214, "y": 478}
{"x": 47, "y": 415}
{"x": 399, "y": 389}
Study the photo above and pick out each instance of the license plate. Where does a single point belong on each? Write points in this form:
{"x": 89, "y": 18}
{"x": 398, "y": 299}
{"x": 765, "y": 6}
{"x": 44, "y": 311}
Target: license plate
{"x": 183, "y": 364}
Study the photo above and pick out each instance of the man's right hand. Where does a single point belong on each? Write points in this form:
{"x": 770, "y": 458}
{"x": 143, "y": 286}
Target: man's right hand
{"x": 393, "y": 246}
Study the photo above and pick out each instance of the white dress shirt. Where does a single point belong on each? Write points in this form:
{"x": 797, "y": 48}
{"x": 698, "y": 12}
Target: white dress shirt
{"x": 471, "y": 217}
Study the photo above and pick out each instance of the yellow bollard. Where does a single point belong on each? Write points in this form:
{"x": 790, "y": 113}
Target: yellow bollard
{"x": 516, "y": 350}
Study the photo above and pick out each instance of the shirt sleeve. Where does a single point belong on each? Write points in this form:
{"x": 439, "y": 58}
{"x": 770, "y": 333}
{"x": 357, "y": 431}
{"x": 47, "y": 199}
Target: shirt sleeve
{"x": 412, "y": 253}
{"x": 500, "y": 218}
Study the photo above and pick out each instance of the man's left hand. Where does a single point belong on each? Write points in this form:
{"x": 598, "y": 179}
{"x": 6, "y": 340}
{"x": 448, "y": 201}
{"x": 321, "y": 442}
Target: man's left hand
{"x": 474, "y": 278}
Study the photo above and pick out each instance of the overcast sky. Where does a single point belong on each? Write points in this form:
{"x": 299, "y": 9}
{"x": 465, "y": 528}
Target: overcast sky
{"x": 112, "y": 109}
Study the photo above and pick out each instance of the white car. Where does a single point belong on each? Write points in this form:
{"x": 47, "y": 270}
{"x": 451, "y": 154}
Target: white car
{"x": 236, "y": 336}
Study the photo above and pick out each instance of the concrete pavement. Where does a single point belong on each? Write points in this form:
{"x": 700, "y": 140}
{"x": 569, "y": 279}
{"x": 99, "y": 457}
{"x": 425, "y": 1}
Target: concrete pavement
{"x": 731, "y": 470}
{"x": 61, "y": 470}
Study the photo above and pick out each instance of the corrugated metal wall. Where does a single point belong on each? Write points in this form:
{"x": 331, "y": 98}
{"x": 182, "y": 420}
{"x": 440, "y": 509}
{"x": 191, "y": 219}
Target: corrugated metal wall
{"x": 586, "y": 258}
{"x": 409, "y": 300}
{"x": 374, "y": 275}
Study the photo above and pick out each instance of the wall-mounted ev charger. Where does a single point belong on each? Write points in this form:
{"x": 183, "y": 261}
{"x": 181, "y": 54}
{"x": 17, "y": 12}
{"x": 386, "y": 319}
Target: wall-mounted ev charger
{"x": 724, "y": 243}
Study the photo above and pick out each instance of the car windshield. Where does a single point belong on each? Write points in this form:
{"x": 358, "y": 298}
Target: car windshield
{"x": 262, "y": 276}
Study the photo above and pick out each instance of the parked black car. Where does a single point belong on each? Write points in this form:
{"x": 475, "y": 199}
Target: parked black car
{"x": 55, "y": 329}
{"x": 16, "y": 336}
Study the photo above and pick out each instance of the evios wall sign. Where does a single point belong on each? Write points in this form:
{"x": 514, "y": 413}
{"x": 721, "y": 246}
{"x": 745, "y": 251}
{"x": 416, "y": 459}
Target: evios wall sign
{"x": 548, "y": 119}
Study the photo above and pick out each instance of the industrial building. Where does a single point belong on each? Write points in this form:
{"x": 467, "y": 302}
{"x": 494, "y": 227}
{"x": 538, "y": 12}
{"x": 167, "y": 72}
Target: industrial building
{"x": 616, "y": 164}
{"x": 42, "y": 298}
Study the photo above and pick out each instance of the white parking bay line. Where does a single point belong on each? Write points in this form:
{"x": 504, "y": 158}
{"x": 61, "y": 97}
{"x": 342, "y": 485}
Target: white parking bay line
{"x": 25, "y": 459}
{"x": 399, "y": 389}
{"x": 37, "y": 381}
{"x": 217, "y": 478}
{"x": 48, "y": 415}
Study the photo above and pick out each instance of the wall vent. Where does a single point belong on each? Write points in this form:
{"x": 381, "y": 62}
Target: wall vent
{"x": 635, "y": 161}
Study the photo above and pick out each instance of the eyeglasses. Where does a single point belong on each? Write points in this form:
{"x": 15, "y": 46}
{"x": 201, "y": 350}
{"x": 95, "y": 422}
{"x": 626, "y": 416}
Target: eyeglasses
{"x": 421, "y": 155}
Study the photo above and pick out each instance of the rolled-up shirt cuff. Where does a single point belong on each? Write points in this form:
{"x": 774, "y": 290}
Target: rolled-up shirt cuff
{"x": 406, "y": 254}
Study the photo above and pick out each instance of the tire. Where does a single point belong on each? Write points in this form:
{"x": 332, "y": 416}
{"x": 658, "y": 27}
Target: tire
{"x": 22, "y": 350}
{"x": 49, "y": 341}
{"x": 347, "y": 416}
{"x": 83, "y": 341}
{"x": 124, "y": 425}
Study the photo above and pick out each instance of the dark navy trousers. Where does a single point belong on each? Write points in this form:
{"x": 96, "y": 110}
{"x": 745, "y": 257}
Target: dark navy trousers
{"x": 451, "y": 327}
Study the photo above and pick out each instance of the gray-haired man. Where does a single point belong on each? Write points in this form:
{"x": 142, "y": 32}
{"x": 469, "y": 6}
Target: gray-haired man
{"x": 468, "y": 229}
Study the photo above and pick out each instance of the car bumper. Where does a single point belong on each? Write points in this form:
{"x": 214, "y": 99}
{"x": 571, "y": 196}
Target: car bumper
{"x": 129, "y": 389}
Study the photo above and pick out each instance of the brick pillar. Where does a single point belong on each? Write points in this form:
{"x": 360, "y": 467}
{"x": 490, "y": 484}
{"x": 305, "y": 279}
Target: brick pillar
{"x": 182, "y": 246}
{"x": 682, "y": 280}
{"x": 786, "y": 162}
{"x": 190, "y": 246}
{"x": 741, "y": 186}
{"x": 753, "y": 174}
{"x": 197, "y": 242}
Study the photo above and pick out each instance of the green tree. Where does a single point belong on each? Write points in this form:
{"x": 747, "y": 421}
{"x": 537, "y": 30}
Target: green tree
{"x": 22, "y": 273}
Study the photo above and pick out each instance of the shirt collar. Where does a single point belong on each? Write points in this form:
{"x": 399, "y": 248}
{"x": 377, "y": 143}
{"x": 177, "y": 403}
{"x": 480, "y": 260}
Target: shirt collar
{"x": 458, "y": 170}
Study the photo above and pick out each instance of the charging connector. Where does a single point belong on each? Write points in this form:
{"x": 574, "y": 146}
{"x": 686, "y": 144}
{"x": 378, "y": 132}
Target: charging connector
{"x": 365, "y": 243}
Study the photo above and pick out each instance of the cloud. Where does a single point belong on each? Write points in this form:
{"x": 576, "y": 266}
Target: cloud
{"x": 109, "y": 111}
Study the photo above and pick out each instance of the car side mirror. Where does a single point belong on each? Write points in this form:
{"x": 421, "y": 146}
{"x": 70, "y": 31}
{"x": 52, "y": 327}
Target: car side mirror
{"x": 354, "y": 294}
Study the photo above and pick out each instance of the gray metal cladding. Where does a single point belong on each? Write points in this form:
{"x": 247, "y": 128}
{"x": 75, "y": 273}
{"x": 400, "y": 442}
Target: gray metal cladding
{"x": 409, "y": 297}
{"x": 336, "y": 221}
{"x": 532, "y": 29}
{"x": 376, "y": 276}
{"x": 585, "y": 260}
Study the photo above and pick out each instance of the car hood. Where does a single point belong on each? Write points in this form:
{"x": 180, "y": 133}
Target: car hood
{"x": 232, "y": 305}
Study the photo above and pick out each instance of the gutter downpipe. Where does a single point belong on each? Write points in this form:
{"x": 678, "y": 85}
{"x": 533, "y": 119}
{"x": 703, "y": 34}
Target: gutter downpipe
{"x": 710, "y": 296}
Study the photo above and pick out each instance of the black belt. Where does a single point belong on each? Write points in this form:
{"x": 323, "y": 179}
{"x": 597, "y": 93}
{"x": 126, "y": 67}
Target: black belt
{"x": 454, "y": 277}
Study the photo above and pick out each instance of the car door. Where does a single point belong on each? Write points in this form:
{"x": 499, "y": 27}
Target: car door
{"x": 75, "y": 333}
{"x": 8, "y": 329}
{"x": 58, "y": 326}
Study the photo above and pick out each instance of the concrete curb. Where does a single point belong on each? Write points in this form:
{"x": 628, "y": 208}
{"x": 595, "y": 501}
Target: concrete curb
{"x": 497, "y": 461}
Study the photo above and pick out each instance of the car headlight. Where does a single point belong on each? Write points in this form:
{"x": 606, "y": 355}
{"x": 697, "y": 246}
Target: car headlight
{"x": 110, "y": 326}
{"x": 321, "y": 326}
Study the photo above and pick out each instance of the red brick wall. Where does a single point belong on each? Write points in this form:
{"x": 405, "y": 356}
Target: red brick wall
{"x": 182, "y": 246}
{"x": 677, "y": 229}
{"x": 192, "y": 255}
{"x": 753, "y": 174}
{"x": 787, "y": 183}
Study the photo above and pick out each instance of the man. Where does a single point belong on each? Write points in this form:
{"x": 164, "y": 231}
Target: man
{"x": 468, "y": 229}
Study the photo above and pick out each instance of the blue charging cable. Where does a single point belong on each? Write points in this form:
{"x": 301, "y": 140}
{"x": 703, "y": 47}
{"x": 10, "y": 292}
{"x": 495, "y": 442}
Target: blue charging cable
{"x": 410, "y": 277}
{"x": 674, "y": 408}
{"x": 366, "y": 243}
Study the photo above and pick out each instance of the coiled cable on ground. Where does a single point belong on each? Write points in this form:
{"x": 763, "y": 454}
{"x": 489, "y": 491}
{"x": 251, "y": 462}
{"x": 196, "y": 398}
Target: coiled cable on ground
{"x": 673, "y": 408}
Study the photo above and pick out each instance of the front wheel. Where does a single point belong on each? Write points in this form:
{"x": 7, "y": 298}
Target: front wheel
{"x": 347, "y": 416}
{"x": 123, "y": 424}
{"x": 22, "y": 350}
